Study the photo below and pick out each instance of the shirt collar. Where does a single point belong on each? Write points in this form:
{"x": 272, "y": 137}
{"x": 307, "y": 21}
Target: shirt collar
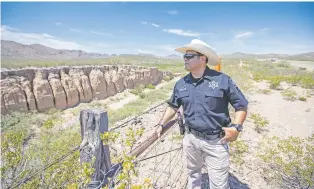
{"x": 206, "y": 75}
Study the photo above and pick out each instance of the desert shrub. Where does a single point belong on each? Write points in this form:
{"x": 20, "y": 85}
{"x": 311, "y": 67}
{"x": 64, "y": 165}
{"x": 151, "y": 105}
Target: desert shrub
{"x": 150, "y": 86}
{"x": 138, "y": 89}
{"x": 129, "y": 172}
{"x": 265, "y": 91}
{"x": 307, "y": 81}
{"x": 167, "y": 78}
{"x": 17, "y": 119}
{"x": 238, "y": 149}
{"x": 48, "y": 124}
{"x": 275, "y": 82}
{"x": 302, "y": 98}
{"x": 13, "y": 158}
{"x": 259, "y": 122}
{"x": 288, "y": 163}
{"x": 289, "y": 94}
{"x": 141, "y": 95}
{"x": 284, "y": 64}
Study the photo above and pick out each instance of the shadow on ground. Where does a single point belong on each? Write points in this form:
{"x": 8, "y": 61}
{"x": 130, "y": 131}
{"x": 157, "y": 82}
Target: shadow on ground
{"x": 233, "y": 181}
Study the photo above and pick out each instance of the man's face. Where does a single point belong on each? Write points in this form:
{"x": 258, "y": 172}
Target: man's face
{"x": 192, "y": 62}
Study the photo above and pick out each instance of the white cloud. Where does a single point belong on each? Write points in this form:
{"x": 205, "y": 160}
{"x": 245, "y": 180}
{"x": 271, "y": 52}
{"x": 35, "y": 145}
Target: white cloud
{"x": 264, "y": 29}
{"x": 37, "y": 38}
{"x": 58, "y": 23}
{"x": 102, "y": 45}
{"x": 155, "y": 25}
{"x": 76, "y": 30}
{"x": 48, "y": 36}
{"x": 99, "y": 33}
{"x": 142, "y": 22}
{"x": 173, "y": 12}
{"x": 182, "y": 32}
{"x": 245, "y": 34}
{"x": 6, "y": 28}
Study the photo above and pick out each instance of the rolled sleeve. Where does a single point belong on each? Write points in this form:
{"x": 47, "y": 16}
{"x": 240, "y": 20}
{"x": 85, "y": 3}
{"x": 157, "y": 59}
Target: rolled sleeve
{"x": 235, "y": 96}
{"x": 174, "y": 100}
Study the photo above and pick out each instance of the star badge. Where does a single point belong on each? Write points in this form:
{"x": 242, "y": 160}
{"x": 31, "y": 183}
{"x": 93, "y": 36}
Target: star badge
{"x": 213, "y": 84}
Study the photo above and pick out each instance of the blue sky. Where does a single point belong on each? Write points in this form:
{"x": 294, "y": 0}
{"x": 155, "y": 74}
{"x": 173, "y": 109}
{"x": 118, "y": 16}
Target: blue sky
{"x": 159, "y": 27}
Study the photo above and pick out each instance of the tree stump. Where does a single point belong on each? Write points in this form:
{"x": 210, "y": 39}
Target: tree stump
{"x": 94, "y": 122}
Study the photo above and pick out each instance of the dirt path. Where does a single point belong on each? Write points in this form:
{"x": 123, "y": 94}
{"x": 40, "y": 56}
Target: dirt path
{"x": 131, "y": 97}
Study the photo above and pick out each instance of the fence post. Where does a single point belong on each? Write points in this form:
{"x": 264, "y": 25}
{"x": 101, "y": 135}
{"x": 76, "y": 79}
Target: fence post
{"x": 93, "y": 123}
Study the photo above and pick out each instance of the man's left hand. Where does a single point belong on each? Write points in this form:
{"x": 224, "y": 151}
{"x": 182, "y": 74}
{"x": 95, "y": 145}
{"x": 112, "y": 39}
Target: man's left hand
{"x": 231, "y": 134}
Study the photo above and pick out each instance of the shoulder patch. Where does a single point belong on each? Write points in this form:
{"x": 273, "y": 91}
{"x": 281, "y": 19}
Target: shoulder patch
{"x": 235, "y": 85}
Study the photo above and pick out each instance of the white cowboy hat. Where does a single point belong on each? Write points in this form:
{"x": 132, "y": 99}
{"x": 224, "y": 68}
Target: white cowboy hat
{"x": 201, "y": 47}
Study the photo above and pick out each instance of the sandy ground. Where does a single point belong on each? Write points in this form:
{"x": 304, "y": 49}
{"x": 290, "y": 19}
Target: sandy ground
{"x": 286, "y": 118}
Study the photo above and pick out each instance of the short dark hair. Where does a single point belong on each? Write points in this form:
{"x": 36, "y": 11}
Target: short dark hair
{"x": 203, "y": 55}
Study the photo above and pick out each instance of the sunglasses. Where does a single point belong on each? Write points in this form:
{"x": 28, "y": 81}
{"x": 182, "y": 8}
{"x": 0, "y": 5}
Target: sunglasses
{"x": 190, "y": 56}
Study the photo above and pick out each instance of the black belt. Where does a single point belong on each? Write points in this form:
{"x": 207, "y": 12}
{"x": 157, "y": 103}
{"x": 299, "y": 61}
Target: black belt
{"x": 214, "y": 134}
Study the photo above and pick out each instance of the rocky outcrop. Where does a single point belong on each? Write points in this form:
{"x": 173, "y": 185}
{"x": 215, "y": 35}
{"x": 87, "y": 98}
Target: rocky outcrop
{"x": 30, "y": 97}
{"x": 98, "y": 84}
{"x": 71, "y": 92}
{"x": 43, "y": 92}
{"x": 42, "y": 89}
{"x": 59, "y": 95}
{"x": 13, "y": 96}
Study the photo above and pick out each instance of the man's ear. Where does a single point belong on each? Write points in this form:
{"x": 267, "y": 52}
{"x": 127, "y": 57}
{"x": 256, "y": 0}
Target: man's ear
{"x": 203, "y": 58}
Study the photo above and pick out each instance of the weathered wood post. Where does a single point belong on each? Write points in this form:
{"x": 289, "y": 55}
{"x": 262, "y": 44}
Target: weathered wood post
{"x": 93, "y": 123}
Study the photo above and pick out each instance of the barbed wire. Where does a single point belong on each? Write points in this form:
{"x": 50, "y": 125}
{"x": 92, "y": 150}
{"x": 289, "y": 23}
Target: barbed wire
{"x": 23, "y": 181}
{"x": 58, "y": 160}
{"x": 121, "y": 125}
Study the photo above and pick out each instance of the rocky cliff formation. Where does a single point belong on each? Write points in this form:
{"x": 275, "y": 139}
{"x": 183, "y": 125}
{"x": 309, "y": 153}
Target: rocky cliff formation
{"x": 41, "y": 89}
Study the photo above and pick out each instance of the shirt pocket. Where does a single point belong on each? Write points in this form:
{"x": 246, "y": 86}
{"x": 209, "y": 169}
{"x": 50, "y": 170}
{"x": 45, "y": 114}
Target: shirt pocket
{"x": 184, "y": 97}
{"x": 213, "y": 99}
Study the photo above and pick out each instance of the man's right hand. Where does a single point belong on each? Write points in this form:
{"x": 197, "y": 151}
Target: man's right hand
{"x": 158, "y": 130}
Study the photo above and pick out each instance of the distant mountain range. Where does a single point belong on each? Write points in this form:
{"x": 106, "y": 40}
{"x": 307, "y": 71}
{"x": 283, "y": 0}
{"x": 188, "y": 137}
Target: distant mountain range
{"x": 304, "y": 56}
{"x": 11, "y": 50}
{"x": 14, "y": 50}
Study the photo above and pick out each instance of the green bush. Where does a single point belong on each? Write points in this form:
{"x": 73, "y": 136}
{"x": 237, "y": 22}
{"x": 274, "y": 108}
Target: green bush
{"x": 288, "y": 163}
{"x": 141, "y": 95}
{"x": 167, "y": 78}
{"x": 275, "y": 82}
{"x": 259, "y": 122}
{"x": 265, "y": 91}
{"x": 150, "y": 86}
{"x": 301, "y": 98}
{"x": 238, "y": 149}
{"x": 137, "y": 90}
{"x": 284, "y": 64}
{"x": 289, "y": 94}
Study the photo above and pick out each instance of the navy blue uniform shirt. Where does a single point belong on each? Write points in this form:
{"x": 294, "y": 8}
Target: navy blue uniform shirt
{"x": 205, "y": 104}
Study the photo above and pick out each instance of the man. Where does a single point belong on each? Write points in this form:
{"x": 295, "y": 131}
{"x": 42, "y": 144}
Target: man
{"x": 204, "y": 95}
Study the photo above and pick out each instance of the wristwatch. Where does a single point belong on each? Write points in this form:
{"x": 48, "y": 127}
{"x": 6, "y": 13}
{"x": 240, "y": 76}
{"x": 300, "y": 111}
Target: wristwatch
{"x": 159, "y": 124}
{"x": 237, "y": 126}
